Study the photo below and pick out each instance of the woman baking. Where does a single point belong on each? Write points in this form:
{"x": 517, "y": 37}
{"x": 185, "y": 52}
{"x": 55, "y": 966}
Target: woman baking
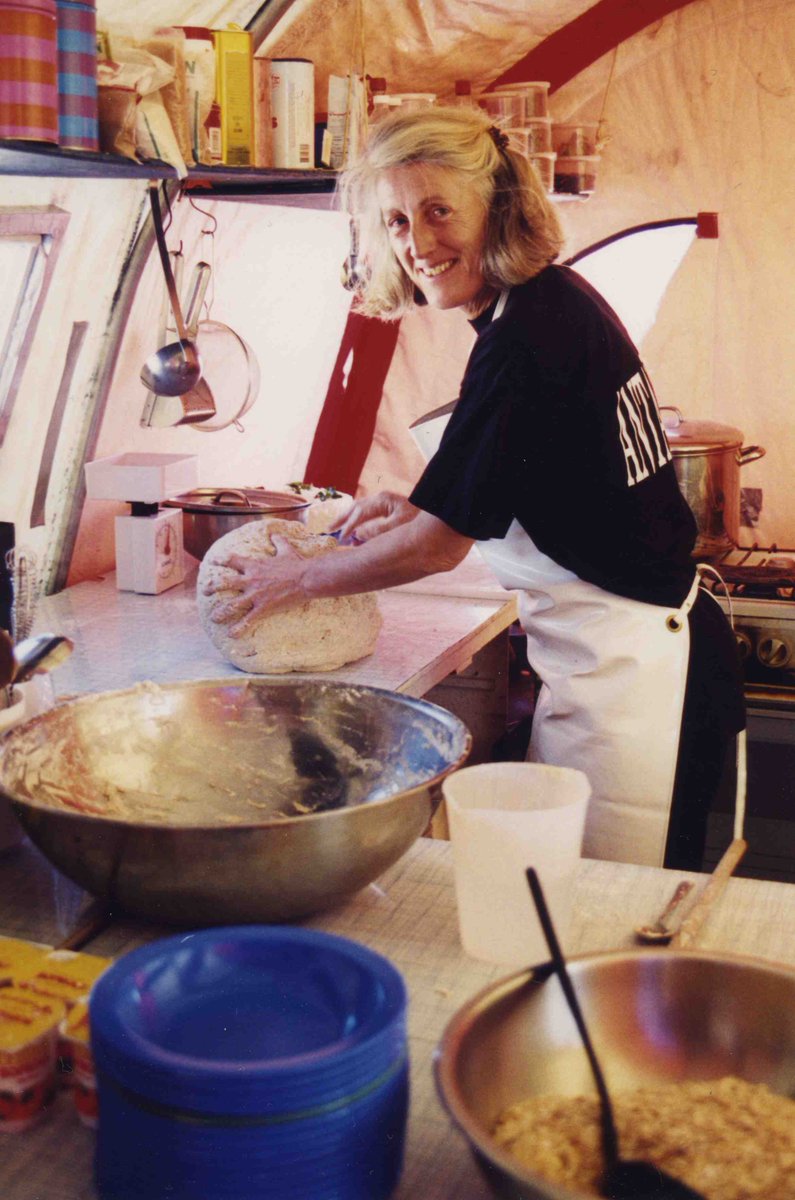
{"x": 555, "y": 463}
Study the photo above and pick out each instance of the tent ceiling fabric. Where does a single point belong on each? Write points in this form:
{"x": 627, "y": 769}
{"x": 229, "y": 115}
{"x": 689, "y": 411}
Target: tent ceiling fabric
{"x": 418, "y": 45}
{"x": 146, "y": 14}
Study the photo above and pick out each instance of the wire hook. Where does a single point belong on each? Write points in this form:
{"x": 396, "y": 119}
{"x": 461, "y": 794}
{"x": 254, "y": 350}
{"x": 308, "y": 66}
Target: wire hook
{"x": 204, "y": 213}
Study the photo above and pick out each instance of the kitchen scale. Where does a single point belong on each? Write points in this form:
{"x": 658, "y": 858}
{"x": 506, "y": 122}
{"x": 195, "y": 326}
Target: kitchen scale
{"x": 150, "y": 554}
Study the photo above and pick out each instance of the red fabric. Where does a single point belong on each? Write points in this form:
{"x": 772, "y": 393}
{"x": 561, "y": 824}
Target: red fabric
{"x": 346, "y": 425}
{"x": 575, "y": 46}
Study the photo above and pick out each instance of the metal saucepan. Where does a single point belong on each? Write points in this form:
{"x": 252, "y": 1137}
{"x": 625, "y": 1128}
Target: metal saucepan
{"x": 209, "y": 513}
{"x": 222, "y": 801}
{"x": 707, "y": 459}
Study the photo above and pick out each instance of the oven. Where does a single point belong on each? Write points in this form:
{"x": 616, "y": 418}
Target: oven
{"x": 758, "y": 593}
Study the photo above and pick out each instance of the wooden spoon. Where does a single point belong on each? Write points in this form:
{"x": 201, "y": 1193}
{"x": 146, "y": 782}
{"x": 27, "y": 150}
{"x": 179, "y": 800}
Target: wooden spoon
{"x": 623, "y": 1178}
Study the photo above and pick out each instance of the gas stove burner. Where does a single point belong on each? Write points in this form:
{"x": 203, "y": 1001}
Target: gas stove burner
{"x": 752, "y": 573}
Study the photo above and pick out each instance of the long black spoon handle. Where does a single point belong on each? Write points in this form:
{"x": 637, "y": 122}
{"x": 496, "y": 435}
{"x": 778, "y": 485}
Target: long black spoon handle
{"x": 609, "y": 1135}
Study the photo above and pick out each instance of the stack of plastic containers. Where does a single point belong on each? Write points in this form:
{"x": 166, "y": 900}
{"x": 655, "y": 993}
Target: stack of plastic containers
{"x": 245, "y": 1062}
{"x": 521, "y": 110}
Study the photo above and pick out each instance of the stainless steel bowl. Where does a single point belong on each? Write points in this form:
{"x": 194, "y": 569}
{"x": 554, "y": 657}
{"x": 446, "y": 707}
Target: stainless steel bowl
{"x": 219, "y": 801}
{"x": 654, "y": 1016}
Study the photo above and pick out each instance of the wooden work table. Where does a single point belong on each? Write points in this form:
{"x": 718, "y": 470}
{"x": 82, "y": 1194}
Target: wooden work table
{"x": 408, "y": 915}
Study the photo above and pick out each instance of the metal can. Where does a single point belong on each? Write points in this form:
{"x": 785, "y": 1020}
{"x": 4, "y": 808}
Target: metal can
{"x": 78, "y": 126}
{"x": 29, "y": 70}
{"x": 293, "y": 112}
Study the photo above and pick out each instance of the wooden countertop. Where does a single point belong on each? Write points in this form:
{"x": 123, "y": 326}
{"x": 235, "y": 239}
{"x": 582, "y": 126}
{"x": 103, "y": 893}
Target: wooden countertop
{"x": 123, "y": 638}
{"x": 408, "y": 915}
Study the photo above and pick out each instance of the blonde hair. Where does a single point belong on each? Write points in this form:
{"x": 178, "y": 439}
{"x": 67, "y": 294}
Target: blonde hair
{"x": 522, "y": 236}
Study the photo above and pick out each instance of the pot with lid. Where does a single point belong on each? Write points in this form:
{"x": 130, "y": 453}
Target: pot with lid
{"x": 707, "y": 458}
{"x": 208, "y": 512}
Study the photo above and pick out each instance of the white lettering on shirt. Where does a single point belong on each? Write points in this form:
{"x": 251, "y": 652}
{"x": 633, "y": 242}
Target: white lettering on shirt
{"x": 643, "y": 440}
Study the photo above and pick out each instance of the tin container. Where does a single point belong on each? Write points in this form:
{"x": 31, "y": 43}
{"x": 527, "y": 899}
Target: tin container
{"x": 293, "y": 112}
{"x": 29, "y": 70}
{"x": 78, "y": 126}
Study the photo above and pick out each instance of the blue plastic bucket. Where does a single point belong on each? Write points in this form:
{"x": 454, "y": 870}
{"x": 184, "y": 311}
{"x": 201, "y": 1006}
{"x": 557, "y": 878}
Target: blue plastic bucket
{"x": 259, "y": 1061}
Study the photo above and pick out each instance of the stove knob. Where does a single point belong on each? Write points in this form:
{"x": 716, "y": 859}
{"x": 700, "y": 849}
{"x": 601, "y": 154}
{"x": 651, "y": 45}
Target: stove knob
{"x": 745, "y": 646}
{"x": 774, "y": 651}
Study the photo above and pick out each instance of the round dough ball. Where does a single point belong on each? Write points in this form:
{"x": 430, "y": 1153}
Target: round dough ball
{"x": 319, "y": 635}
{"x": 327, "y": 507}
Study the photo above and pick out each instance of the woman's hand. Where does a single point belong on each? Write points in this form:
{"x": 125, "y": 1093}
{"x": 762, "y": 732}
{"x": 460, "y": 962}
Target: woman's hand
{"x": 261, "y": 586}
{"x": 376, "y": 514}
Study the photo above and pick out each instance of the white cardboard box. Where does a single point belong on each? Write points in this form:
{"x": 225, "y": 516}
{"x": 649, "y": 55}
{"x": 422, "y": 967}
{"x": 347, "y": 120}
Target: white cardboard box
{"x": 143, "y": 478}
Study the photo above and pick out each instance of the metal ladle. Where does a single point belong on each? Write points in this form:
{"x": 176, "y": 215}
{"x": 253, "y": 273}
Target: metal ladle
{"x": 176, "y": 368}
{"x": 623, "y": 1178}
{"x": 40, "y": 654}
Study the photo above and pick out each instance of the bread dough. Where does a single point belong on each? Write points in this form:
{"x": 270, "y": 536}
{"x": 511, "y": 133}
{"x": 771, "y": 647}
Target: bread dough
{"x": 327, "y": 506}
{"x": 319, "y": 635}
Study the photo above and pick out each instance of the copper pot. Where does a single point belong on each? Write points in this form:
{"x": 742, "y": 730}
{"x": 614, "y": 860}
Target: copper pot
{"x": 707, "y": 459}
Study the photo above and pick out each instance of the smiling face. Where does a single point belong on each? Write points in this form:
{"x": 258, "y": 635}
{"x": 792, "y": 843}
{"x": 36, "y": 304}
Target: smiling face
{"x": 436, "y": 225}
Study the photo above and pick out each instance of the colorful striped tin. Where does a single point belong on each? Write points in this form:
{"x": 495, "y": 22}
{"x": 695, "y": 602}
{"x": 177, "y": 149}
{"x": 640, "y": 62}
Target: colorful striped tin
{"x": 29, "y": 70}
{"x": 78, "y": 127}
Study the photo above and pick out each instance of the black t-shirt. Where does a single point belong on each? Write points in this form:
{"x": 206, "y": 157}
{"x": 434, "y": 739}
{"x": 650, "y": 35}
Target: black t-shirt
{"x": 557, "y": 426}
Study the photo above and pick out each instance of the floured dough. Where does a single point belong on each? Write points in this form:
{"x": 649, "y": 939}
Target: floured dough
{"x": 319, "y": 635}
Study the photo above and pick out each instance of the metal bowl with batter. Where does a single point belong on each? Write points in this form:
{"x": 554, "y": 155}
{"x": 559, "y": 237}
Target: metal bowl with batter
{"x": 655, "y": 1016}
{"x": 225, "y": 801}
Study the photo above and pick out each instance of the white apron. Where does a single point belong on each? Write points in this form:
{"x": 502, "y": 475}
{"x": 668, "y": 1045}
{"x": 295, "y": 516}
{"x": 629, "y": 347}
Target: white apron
{"x": 613, "y": 673}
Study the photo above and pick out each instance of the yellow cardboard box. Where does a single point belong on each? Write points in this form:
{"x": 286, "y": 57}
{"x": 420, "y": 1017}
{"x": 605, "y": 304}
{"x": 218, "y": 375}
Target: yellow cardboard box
{"x": 234, "y": 92}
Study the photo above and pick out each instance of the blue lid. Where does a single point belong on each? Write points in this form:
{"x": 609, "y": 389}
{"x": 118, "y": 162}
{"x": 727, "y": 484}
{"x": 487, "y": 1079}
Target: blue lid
{"x": 248, "y": 1018}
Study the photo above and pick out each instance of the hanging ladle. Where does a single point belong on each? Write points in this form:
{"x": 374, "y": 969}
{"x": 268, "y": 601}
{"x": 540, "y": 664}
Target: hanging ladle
{"x": 175, "y": 369}
{"x": 39, "y": 654}
{"x": 622, "y": 1179}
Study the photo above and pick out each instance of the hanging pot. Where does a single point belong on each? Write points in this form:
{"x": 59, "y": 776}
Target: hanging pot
{"x": 707, "y": 459}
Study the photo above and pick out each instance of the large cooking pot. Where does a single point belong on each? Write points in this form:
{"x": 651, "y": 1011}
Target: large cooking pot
{"x": 209, "y": 513}
{"x": 221, "y": 801}
{"x": 707, "y": 459}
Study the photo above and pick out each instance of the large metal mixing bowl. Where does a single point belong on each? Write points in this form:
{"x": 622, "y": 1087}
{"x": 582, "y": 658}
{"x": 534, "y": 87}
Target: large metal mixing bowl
{"x": 226, "y": 801}
{"x": 655, "y": 1016}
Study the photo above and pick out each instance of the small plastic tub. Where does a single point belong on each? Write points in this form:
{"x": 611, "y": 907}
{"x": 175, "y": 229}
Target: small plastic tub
{"x": 28, "y": 1052}
{"x": 536, "y": 97}
{"x": 576, "y": 176}
{"x": 507, "y": 109}
{"x": 533, "y": 138}
{"x": 544, "y": 164}
{"x": 252, "y": 1061}
{"x": 78, "y": 1062}
{"x": 575, "y": 139}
